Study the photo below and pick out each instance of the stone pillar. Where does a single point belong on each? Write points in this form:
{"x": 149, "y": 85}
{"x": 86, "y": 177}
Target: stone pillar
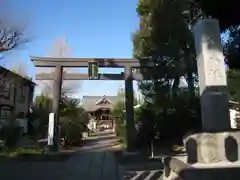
{"x": 217, "y": 142}
{"x": 57, "y": 86}
{"x": 130, "y": 127}
{"x": 214, "y": 153}
{"x": 212, "y": 76}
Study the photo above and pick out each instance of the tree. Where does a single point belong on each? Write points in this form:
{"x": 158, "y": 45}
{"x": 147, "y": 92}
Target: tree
{"x": 164, "y": 37}
{"x": 166, "y": 41}
{"x": 41, "y": 108}
{"x": 232, "y": 48}
{"x": 12, "y": 32}
{"x": 226, "y": 12}
{"x": 60, "y": 49}
{"x": 121, "y": 96}
{"x": 11, "y": 35}
{"x": 74, "y": 120}
{"x": 233, "y": 84}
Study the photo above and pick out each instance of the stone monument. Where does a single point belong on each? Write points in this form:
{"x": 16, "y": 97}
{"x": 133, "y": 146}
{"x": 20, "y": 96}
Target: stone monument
{"x": 211, "y": 143}
{"x": 214, "y": 153}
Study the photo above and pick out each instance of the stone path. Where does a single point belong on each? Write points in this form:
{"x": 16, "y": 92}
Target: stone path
{"x": 143, "y": 171}
{"x": 95, "y": 161}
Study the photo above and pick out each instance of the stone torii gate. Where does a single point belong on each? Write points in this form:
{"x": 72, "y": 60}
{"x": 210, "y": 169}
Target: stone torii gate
{"x": 128, "y": 76}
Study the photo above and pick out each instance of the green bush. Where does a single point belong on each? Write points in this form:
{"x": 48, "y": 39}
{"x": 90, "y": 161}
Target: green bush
{"x": 73, "y": 118}
{"x": 169, "y": 125}
{"x": 10, "y": 134}
{"x": 72, "y": 133}
{"x": 73, "y": 121}
{"x": 121, "y": 130}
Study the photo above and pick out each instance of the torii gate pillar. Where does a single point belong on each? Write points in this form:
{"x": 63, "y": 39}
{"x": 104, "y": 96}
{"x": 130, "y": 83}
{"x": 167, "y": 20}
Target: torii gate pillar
{"x": 57, "y": 86}
{"x": 129, "y": 97}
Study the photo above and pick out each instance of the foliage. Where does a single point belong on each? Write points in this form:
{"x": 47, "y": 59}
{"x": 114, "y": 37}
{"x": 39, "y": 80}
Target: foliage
{"x": 120, "y": 121}
{"x": 118, "y": 109}
{"x": 168, "y": 43}
{"x": 226, "y": 12}
{"x": 232, "y": 55}
{"x": 168, "y": 126}
{"x": 21, "y": 151}
{"x": 121, "y": 97}
{"x": 232, "y": 48}
{"x": 233, "y": 83}
{"x": 119, "y": 116}
{"x": 73, "y": 118}
{"x": 145, "y": 127}
{"x": 164, "y": 38}
{"x": 74, "y": 121}
{"x": 10, "y": 133}
{"x": 40, "y": 114}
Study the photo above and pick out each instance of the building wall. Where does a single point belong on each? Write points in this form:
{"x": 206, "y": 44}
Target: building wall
{"x": 15, "y": 99}
{"x": 22, "y": 103}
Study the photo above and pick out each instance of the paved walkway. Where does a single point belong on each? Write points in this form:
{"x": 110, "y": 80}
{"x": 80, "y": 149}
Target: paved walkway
{"x": 142, "y": 171}
{"x": 95, "y": 161}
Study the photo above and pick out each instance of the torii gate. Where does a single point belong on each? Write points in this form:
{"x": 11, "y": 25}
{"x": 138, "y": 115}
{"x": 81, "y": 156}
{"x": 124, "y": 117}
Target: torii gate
{"x": 92, "y": 63}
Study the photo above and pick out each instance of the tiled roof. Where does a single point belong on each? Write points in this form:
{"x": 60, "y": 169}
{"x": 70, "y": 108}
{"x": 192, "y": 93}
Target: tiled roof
{"x": 91, "y": 103}
{"x": 3, "y": 70}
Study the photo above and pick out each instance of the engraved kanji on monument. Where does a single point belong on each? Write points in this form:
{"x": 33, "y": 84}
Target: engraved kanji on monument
{"x": 212, "y": 76}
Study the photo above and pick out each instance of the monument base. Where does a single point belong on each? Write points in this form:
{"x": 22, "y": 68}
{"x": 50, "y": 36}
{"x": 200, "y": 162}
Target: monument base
{"x": 213, "y": 147}
{"x": 210, "y": 156}
{"x": 175, "y": 169}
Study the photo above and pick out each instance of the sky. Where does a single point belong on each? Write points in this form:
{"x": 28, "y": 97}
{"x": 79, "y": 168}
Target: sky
{"x": 93, "y": 28}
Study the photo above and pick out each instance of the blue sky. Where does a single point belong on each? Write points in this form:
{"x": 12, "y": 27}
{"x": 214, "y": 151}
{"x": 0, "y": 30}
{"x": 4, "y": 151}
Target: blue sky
{"x": 93, "y": 28}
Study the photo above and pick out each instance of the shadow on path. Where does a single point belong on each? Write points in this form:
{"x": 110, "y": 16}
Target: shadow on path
{"x": 143, "y": 171}
{"x": 90, "y": 142}
{"x": 138, "y": 167}
{"x": 95, "y": 161}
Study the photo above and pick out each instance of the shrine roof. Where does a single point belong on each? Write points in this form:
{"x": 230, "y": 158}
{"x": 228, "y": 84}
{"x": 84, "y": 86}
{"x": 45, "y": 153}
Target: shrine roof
{"x": 91, "y": 103}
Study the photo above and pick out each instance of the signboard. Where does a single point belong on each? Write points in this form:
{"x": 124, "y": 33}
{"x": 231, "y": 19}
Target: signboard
{"x": 93, "y": 70}
{"x": 50, "y": 129}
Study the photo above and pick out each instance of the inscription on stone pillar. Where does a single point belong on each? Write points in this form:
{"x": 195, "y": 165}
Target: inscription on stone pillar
{"x": 210, "y": 59}
{"x": 212, "y": 76}
{"x": 216, "y": 70}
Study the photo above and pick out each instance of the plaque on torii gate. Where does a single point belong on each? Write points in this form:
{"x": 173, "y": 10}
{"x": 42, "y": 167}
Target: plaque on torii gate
{"x": 95, "y": 63}
{"x": 93, "y": 70}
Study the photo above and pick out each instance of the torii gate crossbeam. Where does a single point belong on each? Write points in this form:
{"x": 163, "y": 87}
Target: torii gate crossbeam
{"x": 58, "y": 76}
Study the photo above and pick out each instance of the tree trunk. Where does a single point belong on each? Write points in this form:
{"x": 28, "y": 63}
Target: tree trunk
{"x": 190, "y": 82}
{"x": 175, "y": 86}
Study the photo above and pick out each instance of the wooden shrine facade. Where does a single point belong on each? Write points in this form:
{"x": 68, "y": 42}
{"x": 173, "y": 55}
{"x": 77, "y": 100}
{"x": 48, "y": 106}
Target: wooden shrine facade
{"x": 100, "y": 109}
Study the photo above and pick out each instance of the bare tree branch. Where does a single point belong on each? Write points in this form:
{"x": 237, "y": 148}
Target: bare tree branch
{"x": 11, "y": 36}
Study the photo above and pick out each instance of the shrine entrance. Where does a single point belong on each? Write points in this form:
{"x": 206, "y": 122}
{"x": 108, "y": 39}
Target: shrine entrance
{"x": 92, "y": 64}
{"x": 100, "y": 109}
